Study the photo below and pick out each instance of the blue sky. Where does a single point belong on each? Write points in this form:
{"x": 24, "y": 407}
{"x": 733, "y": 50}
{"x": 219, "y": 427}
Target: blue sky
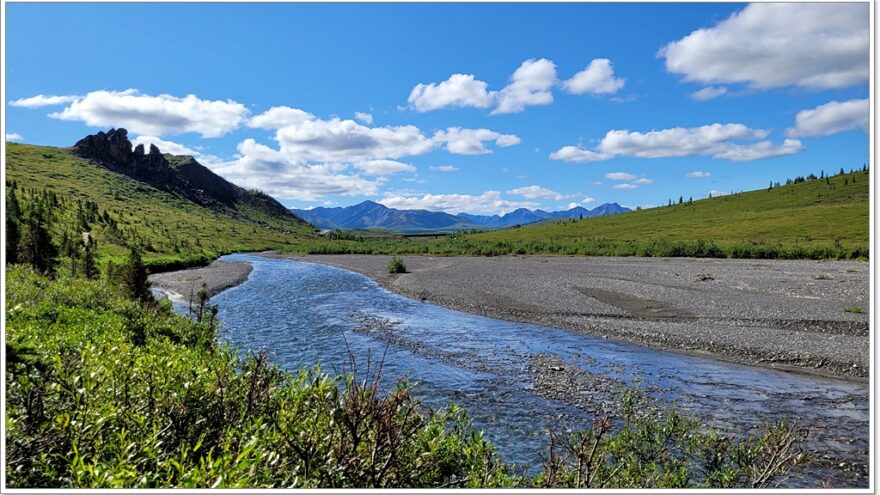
{"x": 479, "y": 108}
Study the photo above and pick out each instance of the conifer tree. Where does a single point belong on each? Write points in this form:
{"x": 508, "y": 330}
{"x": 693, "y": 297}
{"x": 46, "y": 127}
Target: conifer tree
{"x": 89, "y": 265}
{"x": 134, "y": 276}
{"x": 37, "y": 247}
{"x": 13, "y": 225}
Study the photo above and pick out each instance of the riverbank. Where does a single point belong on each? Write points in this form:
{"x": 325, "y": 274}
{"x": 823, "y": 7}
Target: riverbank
{"x": 217, "y": 277}
{"x": 804, "y": 316}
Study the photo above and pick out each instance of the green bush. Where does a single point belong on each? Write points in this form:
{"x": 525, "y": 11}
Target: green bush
{"x": 103, "y": 392}
{"x": 396, "y": 265}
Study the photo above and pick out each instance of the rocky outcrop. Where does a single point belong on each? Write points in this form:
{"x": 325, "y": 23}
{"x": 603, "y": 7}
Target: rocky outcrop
{"x": 181, "y": 175}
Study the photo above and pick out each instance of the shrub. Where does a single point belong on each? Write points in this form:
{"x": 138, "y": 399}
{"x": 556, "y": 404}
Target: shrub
{"x": 396, "y": 265}
{"x": 103, "y": 392}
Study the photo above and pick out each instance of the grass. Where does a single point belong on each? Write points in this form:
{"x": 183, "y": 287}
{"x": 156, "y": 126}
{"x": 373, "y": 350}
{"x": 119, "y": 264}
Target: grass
{"x": 854, "y": 309}
{"x": 396, "y": 265}
{"x": 103, "y": 392}
{"x": 814, "y": 219}
{"x": 177, "y": 232}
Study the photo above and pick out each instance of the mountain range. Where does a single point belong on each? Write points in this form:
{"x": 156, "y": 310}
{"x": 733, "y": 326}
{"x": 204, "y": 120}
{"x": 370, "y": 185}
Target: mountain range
{"x": 370, "y": 214}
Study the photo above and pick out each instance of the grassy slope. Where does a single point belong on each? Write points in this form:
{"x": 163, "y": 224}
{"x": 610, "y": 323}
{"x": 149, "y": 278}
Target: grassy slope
{"x": 175, "y": 227}
{"x": 811, "y": 213}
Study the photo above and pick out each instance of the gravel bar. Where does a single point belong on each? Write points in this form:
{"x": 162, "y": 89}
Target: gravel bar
{"x": 796, "y": 315}
{"x": 217, "y": 277}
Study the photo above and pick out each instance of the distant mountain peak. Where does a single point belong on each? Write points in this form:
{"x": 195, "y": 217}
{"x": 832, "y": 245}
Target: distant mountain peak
{"x": 369, "y": 214}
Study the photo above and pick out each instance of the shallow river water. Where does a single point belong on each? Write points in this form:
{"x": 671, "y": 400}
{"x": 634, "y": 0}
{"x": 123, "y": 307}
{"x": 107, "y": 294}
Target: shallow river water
{"x": 303, "y": 314}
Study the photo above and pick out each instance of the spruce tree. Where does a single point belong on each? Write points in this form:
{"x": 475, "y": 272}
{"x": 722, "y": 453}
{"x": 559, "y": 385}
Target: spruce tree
{"x": 36, "y": 245}
{"x": 13, "y": 226}
{"x": 134, "y": 276}
{"x": 89, "y": 265}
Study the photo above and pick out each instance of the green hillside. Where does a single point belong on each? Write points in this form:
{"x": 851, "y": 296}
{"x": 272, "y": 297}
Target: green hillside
{"x": 117, "y": 210}
{"x": 813, "y": 218}
{"x": 812, "y": 212}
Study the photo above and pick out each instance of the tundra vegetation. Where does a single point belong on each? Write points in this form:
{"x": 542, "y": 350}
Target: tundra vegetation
{"x": 106, "y": 387}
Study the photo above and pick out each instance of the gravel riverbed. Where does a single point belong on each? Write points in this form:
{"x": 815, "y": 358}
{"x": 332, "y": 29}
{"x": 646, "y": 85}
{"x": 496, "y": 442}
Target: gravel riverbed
{"x": 217, "y": 277}
{"x": 798, "y": 315}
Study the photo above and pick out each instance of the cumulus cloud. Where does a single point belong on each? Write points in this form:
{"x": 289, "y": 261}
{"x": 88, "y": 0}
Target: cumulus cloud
{"x": 42, "y": 101}
{"x": 338, "y": 140}
{"x": 582, "y": 202}
{"x": 282, "y": 175}
{"x": 14, "y": 137}
{"x": 460, "y": 90}
{"x": 576, "y": 154}
{"x": 537, "y": 192}
{"x": 366, "y": 118}
{"x": 155, "y": 115}
{"x": 531, "y": 84}
{"x": 444, "y": 168}
{"x": 716, "y": 140}
{"x": 619, "y": 176}
{"x": 625, "y": 187}
{"x": 708, "y": 93}
{"x": 596, "y": 78}
{"x": 769, "y": 45}
{"x": 278, "y": 117}
{"x": 384, "y": 167}
{"x": 831, "y": 118}
{"x": 318, "y": 157}
{"x": 472, "y": 141}
{"x": 642, "y": 181}
{"x": 489, "y": 203}
{"x": 697, "y": 174}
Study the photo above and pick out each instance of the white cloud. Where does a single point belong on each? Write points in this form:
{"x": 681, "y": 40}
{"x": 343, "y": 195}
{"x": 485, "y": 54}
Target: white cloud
{"x": 596, "y": 78}
{"x": 444, "y": 168}
{"x": 537, "y": 192}
{"x": 575, "y": 154}
{"x": 619, "y": 176}
{"x": 460, "y": 90}
{"x": 278, "y": 117}
{"x": 471, "y": 141}
{"x": 490, "y": 202}
{"x": 530, "y": 84}
{"x": 317, "y": 157}
{"x": 714, "y": 193}
{"x": 14, "y": 137}
{"x": 708, "y": 93}
{"x": 831, "y": 118}
{"x": 675, "y": 142}
{"x": 384, "y": 167}
{"x": 337, "y": 140}
{"x": 643, "y": 181}
{"x": 763, "y": 149}
{"x": 366, "y": 118}
{"x": 155, "y": 115}
{"x": 582, "y": 202}
{"x": 42, "y": 101}
{"x": 625, "y": 187}
{"x": 716, "y": 140}
{"x": 280, "y": 174}
{"x": 697, "y": 174}
{"x": 769, "y": 45}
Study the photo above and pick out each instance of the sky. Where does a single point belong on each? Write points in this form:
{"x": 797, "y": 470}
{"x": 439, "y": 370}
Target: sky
{"x": 478, "y": 108}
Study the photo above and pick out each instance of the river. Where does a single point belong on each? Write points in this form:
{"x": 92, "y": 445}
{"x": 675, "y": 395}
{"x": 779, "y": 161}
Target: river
{"x": 507, "y": 375}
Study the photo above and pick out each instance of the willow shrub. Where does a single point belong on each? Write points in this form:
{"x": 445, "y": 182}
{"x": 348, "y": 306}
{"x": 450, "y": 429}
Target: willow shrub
{"x": 106, "y": 393}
